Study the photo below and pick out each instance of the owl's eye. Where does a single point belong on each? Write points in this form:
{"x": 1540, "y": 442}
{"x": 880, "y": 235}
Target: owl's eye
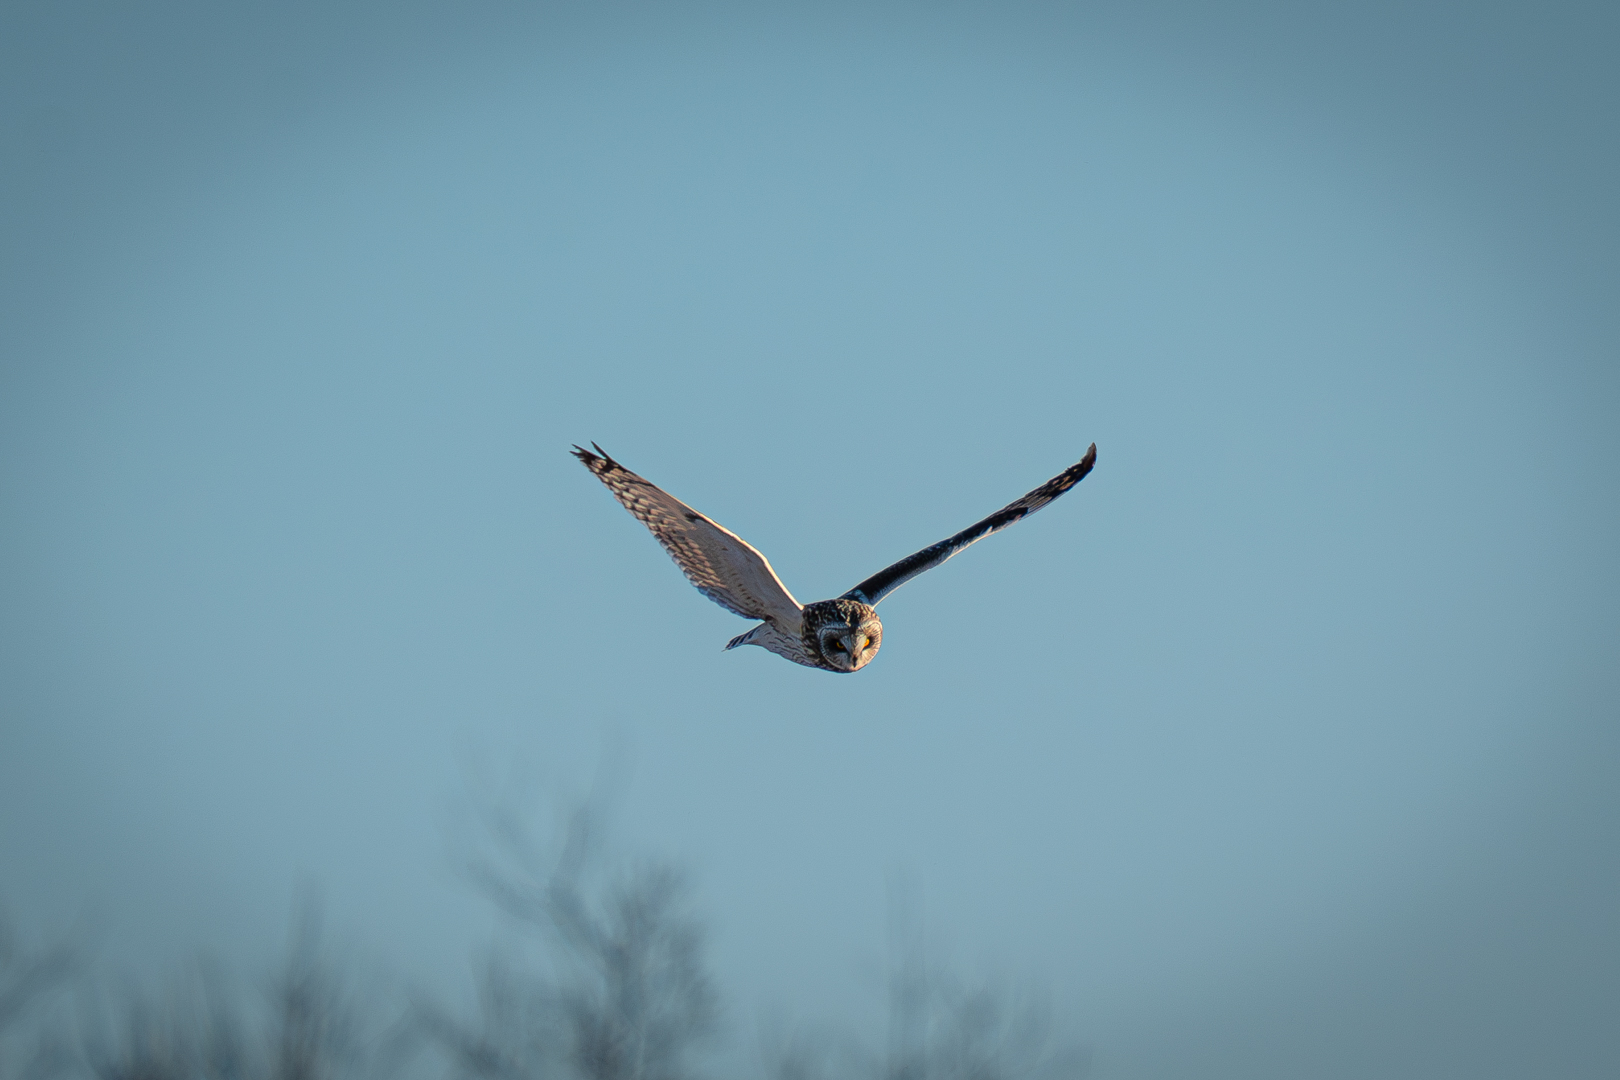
{"x": 835, "y": 646}
{"x": 866, "y": 643}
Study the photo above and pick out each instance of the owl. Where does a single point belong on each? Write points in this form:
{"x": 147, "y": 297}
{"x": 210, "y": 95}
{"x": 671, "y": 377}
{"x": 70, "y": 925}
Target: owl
{"x": 833, "y": 635}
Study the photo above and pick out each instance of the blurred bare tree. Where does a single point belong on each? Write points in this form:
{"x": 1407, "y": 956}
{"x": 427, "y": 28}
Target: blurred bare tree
{"x": 607, "y": 982}
{"x": 310, "y": 1027}
{"x": 954, "y": 1031}
{"x": 190, "y": 1034}
{"x": 29, "y": 980}
{"x": 939, "y": 1028}
{"x": 314, "y": 1023}
{"x": 628, "y": 995}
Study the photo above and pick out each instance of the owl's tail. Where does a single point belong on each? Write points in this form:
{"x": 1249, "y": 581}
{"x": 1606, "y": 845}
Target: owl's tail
{"x": 768, "y": 635}
{"x": 750, "y": 638}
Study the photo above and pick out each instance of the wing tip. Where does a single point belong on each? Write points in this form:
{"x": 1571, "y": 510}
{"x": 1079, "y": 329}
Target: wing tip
{"x": 599, "y": 462}
{"x": 1089, "y": 460}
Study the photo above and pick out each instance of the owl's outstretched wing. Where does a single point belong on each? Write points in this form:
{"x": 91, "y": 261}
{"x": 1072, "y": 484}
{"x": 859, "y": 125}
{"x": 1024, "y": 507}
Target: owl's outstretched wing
{"x": 884, "y": 582}
{"x": 723, "y": 566}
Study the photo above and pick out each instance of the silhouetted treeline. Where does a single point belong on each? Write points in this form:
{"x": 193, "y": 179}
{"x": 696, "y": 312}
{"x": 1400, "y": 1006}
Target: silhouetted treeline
{"x": 618, "y": 989}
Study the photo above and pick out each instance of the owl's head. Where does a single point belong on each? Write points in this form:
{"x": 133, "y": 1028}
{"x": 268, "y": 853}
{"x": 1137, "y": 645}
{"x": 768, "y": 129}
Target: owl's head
{"x": 846, "y": 633}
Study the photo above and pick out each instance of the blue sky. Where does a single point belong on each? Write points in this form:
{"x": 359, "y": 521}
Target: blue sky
{"x": 1283, "y": 745}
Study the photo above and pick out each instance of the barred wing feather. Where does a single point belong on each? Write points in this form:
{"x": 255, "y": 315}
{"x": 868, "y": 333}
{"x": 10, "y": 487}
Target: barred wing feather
{"x": 723, "y": 566}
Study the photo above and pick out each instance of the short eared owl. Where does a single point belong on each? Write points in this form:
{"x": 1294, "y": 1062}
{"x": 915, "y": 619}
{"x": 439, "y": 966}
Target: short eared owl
{"x": 835, "y": 635}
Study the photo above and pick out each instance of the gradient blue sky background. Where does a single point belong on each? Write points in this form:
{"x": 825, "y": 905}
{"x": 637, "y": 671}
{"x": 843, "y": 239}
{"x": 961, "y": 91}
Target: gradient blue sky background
{"x": 1286, "y": 745}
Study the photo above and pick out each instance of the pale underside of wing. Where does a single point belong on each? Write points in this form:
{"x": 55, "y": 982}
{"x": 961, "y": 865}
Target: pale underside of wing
{"x": 885, "y": 581}
{"x": 723, "y": 566}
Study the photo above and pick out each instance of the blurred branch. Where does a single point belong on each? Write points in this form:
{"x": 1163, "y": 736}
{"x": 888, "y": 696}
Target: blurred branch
{"x": 938, "y": 1029}
{"x": 26, "y": 978}
{"x": 635, "y": 999}
{"x": 311, "y": 1026}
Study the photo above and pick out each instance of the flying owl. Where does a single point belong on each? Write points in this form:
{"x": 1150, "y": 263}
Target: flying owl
{"x": 833, "y": 635}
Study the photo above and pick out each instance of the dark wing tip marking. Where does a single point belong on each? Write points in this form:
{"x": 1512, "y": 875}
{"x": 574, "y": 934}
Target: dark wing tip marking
{"x": 1061, "y": 482}
{"x": 601, "y": 464}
